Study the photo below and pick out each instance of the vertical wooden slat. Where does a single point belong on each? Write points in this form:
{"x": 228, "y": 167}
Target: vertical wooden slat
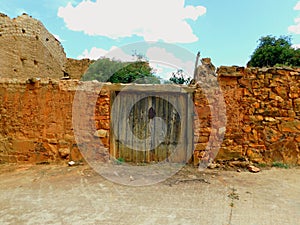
{"x": 138, "y": 128}
{"x": 157, "y": 149}
{"x": 161, "y": 112}
{"x": 166, "y": 149}
{"x": 146, "y": 131}
{"x": 128, "y": 151}
{"x": 112, "y": 139}
{"x": 182, "y": 139}
{"x": 190, "y": 126}
{"x": 171, "y": 123}
{"x": 149, "y": 145}
{"x": 122, "y": 126}
{"x": 167, "y": 119}
{"x": 172, "y": 120}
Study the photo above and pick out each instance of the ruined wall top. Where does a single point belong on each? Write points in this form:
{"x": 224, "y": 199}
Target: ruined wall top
{"x": 28, "y": 49}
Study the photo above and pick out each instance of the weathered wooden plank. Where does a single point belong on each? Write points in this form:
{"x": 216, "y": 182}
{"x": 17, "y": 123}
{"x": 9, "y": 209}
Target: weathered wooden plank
{"x": 149, "y": 145}
{"x": 124, "y": 128}
{"x": 172, "y": 127}
{"x": 150, "y": 88}
{"x": 172, "y": 120}
{"x": 182, "y": 138}
{"x": 155, "y": 105}
{"x": 164, "y": 150}
{"x": 137, "y": 129}
{"x": 146, "y": 131}
{"x": 128, "y": 151}
{"x": 112, "y": 140}
{"x": 190, "y": 127}
{"x": 167, "y": 115}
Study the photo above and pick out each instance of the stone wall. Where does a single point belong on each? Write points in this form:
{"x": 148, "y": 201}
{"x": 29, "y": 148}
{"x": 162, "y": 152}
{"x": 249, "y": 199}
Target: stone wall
{"x": 263, "y": 115}
{"x": 262, "y": 112}
{"x": 36, "y": 121}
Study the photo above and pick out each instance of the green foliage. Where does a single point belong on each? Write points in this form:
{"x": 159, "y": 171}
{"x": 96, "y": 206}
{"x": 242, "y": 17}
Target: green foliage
{"x": 107, "y": 70}
{"x": 273, "y": 51}
{"x": 262, "y": 165}
{"x": 179, "y": 78}
{"x": 120, "y": 159}
{"x": 280, "y": 165}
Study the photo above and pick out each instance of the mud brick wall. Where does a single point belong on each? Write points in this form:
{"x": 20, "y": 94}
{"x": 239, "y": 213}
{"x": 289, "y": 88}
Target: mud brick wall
{"x": 36, "y": 121}
{"x": 76, "y": 68}
{"x": 263, "y": 116}
{"x": 27, "y": 48}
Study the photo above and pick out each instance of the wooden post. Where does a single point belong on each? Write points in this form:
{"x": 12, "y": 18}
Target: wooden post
{"x": 196, "y": 65}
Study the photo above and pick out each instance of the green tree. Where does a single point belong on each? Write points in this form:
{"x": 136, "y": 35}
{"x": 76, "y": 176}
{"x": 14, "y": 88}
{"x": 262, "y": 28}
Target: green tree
{"x": 273, "y": 51}
{"x": 179, "y": 78}
{"x": 114, "y": 71}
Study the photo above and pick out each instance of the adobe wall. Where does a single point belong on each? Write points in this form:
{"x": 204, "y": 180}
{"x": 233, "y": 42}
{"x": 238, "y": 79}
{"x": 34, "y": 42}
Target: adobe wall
{"x": 76, "y": 68}
{"x": 263, "y": 116}
{"x": 26, "y": 47}
{"x": 262, "y": 112}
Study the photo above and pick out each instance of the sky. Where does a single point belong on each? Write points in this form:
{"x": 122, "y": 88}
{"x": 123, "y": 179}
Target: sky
{"x": 227, "y": 31}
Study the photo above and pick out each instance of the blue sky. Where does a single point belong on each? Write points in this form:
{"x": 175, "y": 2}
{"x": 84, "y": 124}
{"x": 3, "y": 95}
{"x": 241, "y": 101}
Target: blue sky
{"x": 224, "y": 30}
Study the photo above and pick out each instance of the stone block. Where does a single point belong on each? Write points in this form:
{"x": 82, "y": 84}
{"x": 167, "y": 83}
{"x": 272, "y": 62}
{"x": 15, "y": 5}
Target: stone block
{"x": 271, "y": 135}
{"x": 229, "y": 153}
{"x": 64, "y": 152}
{"x": 100, "y": 133}
{"x": 247, "y": 128}
{"x": 23, "y": 146}
{"x": 200, "y": 146}
{"x": 297, "y": 105}
{"x": 290, "y": 126}
{"x": 255, "y": 155}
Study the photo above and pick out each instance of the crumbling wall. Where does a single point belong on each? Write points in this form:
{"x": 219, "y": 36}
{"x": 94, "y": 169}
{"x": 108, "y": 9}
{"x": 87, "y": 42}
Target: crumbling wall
{"x": 263, "y": 116}
{"x": 76, "y": 68}
{"x": 262, "y": 113}
{"x": 28, "y": 49}
{"x": 36, "y": 121}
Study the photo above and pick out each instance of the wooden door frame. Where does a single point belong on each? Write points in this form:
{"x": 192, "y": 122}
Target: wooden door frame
{"x": 159, "y": 88}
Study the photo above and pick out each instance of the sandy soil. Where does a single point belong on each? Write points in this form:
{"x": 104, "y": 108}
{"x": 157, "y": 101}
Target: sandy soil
{"x": 59, "y": 194}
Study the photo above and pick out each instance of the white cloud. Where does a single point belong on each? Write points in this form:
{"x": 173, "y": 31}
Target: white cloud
{"x": 296, "y": 46}
{"x": 164, "y": 58}
{"x": 113, "y": 53}
{"x": 295, "y": 28}
{"x": 153, "y": 20}
{"x": 162, "y": 61}
{"x": 297, "y": 6}
{"x": 94, "y": 53}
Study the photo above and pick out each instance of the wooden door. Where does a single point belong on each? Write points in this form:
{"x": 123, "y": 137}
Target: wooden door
{"x": 149, "y": 128}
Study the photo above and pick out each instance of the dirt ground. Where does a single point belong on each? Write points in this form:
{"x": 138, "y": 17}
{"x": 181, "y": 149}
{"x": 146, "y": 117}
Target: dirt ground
{"x": 59, "y": 194}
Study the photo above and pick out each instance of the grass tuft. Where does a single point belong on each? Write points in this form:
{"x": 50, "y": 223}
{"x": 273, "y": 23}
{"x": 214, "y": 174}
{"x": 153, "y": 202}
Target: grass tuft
{"x": 280, "y": 165}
